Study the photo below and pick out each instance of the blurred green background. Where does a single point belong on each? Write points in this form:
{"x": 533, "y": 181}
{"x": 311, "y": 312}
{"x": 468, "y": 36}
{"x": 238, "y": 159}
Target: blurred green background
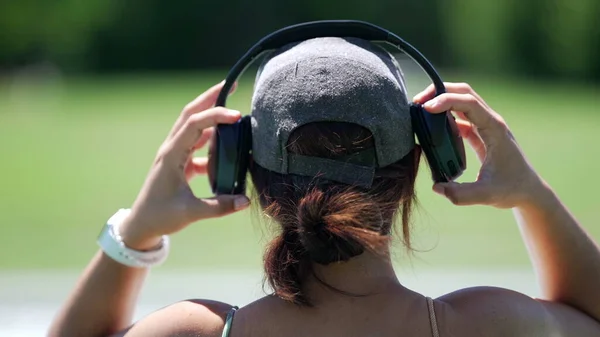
{"x": 89, "y": 90}
{"x": 76, "y": 151}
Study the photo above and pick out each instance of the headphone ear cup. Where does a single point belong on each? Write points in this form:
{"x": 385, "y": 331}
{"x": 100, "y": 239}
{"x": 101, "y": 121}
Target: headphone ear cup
{"x": 228, "y": 157}
{"x": 244, "y": 140}
{"x": 213, "y": 163}
{"x": 440, "y": 141}
{"x": 223, "y": 159}
{"x": 423, "y": 132}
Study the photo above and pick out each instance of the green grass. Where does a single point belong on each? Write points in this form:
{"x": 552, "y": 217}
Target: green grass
{"x": 75, "y": 151}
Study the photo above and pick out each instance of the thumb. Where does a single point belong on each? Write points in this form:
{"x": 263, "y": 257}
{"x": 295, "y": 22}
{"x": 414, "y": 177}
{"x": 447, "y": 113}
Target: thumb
{"x": 464, "y": 193}
{"x": 219, "y": 206}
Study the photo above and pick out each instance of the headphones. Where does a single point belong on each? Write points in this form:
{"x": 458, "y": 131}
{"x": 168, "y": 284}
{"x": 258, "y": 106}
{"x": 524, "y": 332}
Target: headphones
{"x": 230, "y": 151}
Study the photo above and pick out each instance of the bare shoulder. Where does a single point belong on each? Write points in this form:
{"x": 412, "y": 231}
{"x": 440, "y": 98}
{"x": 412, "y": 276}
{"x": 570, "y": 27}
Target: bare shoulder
{"x": 197, "y": 317}
{"x": 206, "y": 318}
{"x": 266, "y": 316}
{"x": 492, "y": 311}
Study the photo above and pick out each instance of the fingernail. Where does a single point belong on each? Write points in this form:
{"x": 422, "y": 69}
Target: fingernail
{"x": 233, "y": 112}
{"x": 233, "y": 87}
{"x": 417, "y": 97}
{"x": 431, "y": 104}
{"x": 438, "y": 188}
{"x": 240, "y": 203}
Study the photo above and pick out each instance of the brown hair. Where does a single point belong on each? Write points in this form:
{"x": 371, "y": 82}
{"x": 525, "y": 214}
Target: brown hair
{"x": 323, "y": 221}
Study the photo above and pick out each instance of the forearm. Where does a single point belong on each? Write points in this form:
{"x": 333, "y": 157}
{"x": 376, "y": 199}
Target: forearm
{"x": 103, "y": 300}
{"x": 566, "y": 259}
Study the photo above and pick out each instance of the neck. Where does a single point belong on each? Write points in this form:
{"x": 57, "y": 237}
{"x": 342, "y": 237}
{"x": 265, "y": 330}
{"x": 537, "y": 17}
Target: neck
{"x": 366, "y": 274}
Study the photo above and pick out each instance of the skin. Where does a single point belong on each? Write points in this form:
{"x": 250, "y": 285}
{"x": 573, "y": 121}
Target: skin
{"x": 565, "y": 258}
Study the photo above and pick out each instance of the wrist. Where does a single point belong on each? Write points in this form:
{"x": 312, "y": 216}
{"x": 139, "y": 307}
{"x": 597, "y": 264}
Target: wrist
{"x": 134, "y": 237}
{"x": 539, "y": 195}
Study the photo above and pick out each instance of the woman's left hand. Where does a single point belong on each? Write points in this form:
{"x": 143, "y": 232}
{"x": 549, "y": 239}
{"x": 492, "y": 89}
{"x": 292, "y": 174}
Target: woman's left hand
{"x": 166, "y": 203}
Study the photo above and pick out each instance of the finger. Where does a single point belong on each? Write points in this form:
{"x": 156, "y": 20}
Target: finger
{"x": 468, "y": 132}
{"x": 233, "y": 88}
{"x": 461, "y": 115}
{"x": 464, "y": 194}
{"x": 425, "y": 95}
{"x": 196, "y": 166}
{"x": 472, "y": 108}
{"x": 204, "y": 101}
{"x": 207, "y": 99}
{"x": 455, "y": 88}
{"x": 218, "y": 206}
{"x": 204, "y": 138}
{"x": 193, "y": 129}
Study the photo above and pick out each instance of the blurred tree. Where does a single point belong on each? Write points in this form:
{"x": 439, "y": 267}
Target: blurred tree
{"x": 476, "y": 33}
{"x": 568, "y": 30}
{"x": 534, "y": 37}
{"x": 595, "y": 44}
{"x": 37, "y": 30}
{"x": 555, "y": 37}
{"x": 526, "y": 47}
{"x": 155, "y": 34}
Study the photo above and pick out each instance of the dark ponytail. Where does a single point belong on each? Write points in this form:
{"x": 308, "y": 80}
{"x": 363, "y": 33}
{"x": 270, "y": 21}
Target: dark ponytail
{"x": 325, "y": 222}
{"x": 333, "y": 226}
{"x": 286, "y": 265}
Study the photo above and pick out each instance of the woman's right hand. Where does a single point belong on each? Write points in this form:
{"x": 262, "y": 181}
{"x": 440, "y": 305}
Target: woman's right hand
{"x": 506, "y": 179}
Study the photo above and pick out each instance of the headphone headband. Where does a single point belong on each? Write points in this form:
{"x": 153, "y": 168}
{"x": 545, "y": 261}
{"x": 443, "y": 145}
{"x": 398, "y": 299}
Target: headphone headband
{"x": 232, "y": 148}
{"x": 327, "y": 28}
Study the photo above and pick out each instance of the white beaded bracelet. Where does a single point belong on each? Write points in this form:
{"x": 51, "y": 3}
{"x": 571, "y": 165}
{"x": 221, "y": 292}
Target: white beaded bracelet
{"x": 112, "y": 244}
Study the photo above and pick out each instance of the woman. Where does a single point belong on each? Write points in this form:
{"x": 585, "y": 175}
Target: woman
{"x": 330, "y": 266}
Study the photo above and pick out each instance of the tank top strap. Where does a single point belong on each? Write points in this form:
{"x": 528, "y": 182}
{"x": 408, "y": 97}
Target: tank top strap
{"x": 432, "y": 318}
{"x": 229, "y": 321}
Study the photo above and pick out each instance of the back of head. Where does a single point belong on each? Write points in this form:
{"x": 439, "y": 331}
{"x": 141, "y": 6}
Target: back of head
{"x": 334, "y": 159}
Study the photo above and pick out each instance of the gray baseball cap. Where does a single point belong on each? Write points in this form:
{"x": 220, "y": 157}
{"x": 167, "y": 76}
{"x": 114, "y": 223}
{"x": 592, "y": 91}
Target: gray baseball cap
{"x": 330, "y": 79}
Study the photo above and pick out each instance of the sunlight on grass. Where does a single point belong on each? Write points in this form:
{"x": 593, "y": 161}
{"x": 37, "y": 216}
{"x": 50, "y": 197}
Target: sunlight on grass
{"x": 77, "y": 150}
